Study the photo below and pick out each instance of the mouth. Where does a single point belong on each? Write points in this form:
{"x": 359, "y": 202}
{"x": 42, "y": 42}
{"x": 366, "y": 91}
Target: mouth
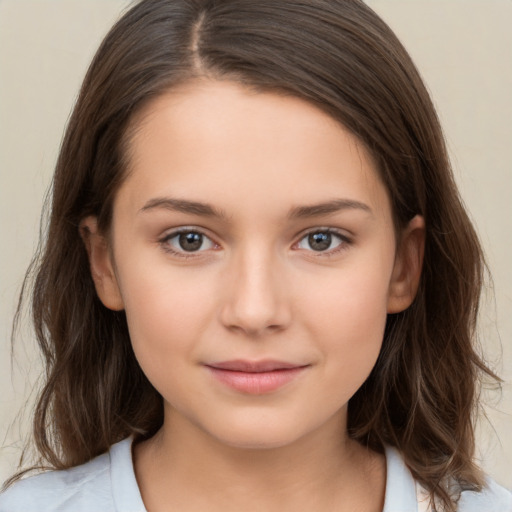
{"x": 256, "y": 377}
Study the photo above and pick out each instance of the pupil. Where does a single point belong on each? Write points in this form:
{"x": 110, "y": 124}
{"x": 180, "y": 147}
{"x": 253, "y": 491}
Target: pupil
{"x": 191, "y": 241}
{"x": 319, "y": 241}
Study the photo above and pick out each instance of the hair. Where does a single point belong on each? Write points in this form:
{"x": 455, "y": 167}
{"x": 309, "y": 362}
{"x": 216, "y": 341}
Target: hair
{"x": 422, "y": 394}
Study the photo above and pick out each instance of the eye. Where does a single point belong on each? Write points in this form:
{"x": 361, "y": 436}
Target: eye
{"x": 187, "y": 241}
{"x": 322, "y": 241}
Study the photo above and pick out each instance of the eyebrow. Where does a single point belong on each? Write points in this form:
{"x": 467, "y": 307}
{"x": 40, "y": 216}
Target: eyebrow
{"x": 299, "y": 212}
{"x": 184, "y": 206}
{"x": 327, "y": 208}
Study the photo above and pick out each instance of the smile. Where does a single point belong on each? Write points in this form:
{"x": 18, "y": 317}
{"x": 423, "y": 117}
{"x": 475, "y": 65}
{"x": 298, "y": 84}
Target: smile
{"x": 255, "y": 378}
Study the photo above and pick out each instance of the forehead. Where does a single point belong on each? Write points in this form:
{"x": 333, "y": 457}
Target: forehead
{"x": 219, "y": 142}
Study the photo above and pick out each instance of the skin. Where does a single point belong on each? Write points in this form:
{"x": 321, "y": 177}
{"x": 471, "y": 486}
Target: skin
{"x": 255, "y": 290}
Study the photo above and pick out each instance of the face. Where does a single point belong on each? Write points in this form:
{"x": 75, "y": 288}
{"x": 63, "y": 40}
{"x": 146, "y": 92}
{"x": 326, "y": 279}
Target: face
{"x": 253, "y": 250}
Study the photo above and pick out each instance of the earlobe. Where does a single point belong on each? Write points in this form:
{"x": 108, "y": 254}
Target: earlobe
{"x": 406, "y": 274}
{"x": 100, "y": 264}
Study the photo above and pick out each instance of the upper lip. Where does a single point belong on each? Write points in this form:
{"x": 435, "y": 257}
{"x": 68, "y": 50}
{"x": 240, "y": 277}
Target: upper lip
{"x": 267, "y": 365}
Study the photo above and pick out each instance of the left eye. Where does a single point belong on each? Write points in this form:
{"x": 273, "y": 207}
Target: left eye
{"x": 321, "y": 241}
{"x": 188, "y": 241}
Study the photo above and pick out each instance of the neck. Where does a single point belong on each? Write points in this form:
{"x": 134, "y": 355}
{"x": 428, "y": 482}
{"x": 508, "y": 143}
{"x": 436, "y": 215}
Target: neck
{"x": 184, "y": 468}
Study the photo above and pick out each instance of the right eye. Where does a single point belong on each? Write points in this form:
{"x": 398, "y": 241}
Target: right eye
{"x": 186, "y": 241}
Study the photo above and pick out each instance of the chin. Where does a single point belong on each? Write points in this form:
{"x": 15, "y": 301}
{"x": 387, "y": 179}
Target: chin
{"x": 258, "y": 435}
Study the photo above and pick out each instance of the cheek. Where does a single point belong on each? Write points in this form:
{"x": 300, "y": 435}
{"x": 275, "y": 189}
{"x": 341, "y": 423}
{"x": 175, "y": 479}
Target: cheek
{"x": 347, "y": 318}
{"x": 351, "y": 300}
{"x": 167, "y": 316}
{"x": 166, "y": 310}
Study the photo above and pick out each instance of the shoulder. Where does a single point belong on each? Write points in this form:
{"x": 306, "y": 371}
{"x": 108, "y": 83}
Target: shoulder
{"x": 82, "y": 488}
{"x": 404, "y": 494}
{"x": 492, "y": 498}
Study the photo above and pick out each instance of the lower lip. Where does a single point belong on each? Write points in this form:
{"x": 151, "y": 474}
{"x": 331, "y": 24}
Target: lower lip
{"x": 257, "y": 383}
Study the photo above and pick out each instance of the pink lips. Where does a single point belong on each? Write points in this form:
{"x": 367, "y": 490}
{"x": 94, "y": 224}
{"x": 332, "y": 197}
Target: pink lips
{"x": 255, "y": 378}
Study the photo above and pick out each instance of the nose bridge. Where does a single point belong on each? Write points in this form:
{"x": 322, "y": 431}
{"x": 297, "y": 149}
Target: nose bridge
{"x": 255, "y": 299}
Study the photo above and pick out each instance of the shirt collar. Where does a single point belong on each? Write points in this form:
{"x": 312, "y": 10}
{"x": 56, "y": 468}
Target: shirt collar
{"x": 125, "y": 489}
{"x": 400, "y": 484}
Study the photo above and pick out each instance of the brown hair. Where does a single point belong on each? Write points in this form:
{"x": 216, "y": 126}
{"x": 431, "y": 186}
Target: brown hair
{"x": 339, "y": 55}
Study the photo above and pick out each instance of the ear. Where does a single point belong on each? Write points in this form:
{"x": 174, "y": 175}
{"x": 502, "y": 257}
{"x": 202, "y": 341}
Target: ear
{"x": 406, "y": 274}
{"x": 100, "y": 262}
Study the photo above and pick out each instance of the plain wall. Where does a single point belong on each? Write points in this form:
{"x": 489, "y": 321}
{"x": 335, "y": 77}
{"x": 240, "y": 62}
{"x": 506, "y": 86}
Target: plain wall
{"x": 463, "y": 49}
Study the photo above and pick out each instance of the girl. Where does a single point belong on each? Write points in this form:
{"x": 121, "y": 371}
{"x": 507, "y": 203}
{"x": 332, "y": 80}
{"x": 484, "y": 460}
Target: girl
{"x": 259, "y": 285}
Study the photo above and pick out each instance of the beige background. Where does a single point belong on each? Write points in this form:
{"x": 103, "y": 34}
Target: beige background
{"x": 464, "y": 51}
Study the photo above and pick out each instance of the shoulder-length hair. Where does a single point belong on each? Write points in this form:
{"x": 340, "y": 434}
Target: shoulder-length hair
{"x": 341, "y": 57}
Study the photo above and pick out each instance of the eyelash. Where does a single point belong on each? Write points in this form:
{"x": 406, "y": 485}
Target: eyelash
{"x": 164, "y": 242}
{"x": 345, "y": 242}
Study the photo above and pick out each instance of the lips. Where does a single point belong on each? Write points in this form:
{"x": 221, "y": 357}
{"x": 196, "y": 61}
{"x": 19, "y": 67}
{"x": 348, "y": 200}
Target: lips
{"x": 255, "y": 377}
{"x": 254, "y": 366}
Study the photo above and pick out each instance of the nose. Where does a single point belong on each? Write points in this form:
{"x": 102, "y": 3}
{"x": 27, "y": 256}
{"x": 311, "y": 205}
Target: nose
{"x": 255, "y": 295}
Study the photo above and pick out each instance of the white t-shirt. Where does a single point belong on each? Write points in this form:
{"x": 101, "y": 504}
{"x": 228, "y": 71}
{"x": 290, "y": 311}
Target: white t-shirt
{"x": 107, "y": 484}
